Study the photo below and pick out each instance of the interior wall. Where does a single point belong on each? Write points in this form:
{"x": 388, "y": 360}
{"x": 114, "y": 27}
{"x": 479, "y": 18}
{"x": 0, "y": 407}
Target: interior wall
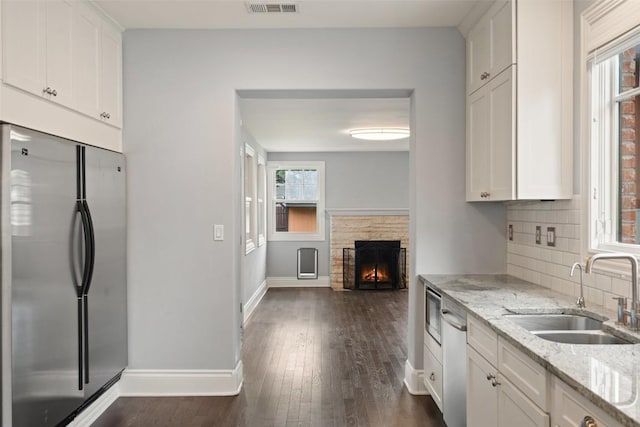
{"x": 352, "y": 180}
{"x": 253, "y": 265}
{"x": 180, "y": 137}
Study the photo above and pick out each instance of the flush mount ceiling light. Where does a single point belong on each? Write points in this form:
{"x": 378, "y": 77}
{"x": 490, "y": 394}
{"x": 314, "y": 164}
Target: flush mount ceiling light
{"x": 380, "y": 134}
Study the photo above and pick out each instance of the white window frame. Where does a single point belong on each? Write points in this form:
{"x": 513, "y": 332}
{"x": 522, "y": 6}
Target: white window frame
{"x": 606, "y": 29}
{"x": 272, "y": 234}
{"x": 261, "y": 186}
{"x": 249, "y": 186}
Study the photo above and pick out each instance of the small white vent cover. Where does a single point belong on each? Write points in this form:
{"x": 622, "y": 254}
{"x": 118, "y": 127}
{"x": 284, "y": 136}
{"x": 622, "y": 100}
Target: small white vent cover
{"x": 272, "y": 7}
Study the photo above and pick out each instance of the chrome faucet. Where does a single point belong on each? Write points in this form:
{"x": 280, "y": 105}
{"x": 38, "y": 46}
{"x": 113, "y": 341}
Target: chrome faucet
{"x": 635, "y": 303}
{"x": 580, "y": 303}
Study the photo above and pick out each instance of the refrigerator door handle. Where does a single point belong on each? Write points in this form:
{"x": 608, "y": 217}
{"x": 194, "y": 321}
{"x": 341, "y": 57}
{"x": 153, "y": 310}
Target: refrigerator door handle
{"x": 86, "y": 231}
{"x": 80, "y": 339}
{"x": 92, "y": 247}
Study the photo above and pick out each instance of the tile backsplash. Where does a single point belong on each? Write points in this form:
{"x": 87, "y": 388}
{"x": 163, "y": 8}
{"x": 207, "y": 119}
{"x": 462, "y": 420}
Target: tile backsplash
{"x": 550, "y": 266}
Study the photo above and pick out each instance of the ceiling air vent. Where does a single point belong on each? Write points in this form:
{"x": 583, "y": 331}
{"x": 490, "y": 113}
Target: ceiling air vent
{"x": 272, "y": 7}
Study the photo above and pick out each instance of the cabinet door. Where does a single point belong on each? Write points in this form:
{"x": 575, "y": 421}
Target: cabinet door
{"x": 478, "y": 153}
{"x": 433, "y": 377}
{"x": 24, "y": 45}
{"x": 570, "y": 409}
{"x": 501, "y": 23}
{"x": 59, "y": 21}
{"x": 502, "y": 136}
{"x": 515, "y": 409}
{"x": 111, "y": 76}
{"x": 86, "y": 61}
{"x": 478, "y": 55}
{"x": 482, "y": 396}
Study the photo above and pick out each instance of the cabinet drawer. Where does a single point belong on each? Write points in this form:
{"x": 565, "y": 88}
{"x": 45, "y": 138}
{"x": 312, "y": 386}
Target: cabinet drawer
{"x": 433, "y": 346}
{"x": 483, "y": 339}
{"x": 433, "y": 376}
{"x": 570, "y": 409}
{"x": 527, "y": 375}
{"x": 514, "y": 409}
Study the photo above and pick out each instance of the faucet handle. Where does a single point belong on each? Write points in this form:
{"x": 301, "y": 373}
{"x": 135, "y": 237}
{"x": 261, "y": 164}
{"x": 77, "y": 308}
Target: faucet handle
{"x": 622, "y": 308}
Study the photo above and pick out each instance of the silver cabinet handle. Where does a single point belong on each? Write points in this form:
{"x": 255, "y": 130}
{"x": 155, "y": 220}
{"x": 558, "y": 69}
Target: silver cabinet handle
{"x": 495, "y": 383}
{"x": 491, "y": 377}
{"x": 54, "y": 92}
{"x": 108, "y": 116}
{"x": 47, "y": 90}
{"x": 588, "y": 422}
{"x": 432, "y": 377}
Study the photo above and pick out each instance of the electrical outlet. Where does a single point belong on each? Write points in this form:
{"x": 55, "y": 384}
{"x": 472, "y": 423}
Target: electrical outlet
{"x": 510, "y": 231}
{"x": 551, "y": 236}
{"x": 538, "y": 234}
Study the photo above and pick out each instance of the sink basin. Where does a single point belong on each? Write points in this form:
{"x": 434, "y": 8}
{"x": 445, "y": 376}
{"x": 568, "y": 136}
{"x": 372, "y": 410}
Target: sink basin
{"x": 555, "y": 322}
{"x": 581, "y": 337}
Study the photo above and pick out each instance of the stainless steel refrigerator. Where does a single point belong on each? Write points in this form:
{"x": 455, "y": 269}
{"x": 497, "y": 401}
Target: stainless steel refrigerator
{"x": 64, "y": 317}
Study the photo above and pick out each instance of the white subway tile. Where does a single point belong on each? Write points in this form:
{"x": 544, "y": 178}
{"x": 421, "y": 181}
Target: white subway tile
{"x": 603, "y": 283}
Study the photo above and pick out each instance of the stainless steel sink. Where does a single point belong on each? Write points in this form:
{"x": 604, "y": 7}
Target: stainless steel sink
{"x": 555, "y": 322}
{"x": 565, "y": 328}
{"x": 581, "y": 337}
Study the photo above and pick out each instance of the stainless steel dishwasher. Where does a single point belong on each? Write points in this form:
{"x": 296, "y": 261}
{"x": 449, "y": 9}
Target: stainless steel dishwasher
{"x": 454, "y": 363}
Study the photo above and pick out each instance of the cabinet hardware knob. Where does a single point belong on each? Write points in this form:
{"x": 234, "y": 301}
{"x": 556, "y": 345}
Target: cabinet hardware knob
{"x": 432, "y": 377}
{"x": 491, "y": 377}
{"x": 108, "y": 116}
{"x": 588, "y": 422}
{"x": 54, "y": 92}
{"x": 47, "y": 90}
{"x": 495, "y": 383}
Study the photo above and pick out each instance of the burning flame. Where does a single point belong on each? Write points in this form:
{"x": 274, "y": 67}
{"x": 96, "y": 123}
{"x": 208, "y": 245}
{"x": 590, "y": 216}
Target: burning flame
{"x": 370, "y": 273}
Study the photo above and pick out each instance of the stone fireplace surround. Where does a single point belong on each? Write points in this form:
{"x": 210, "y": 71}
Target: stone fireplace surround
{"x": 349, "y": 225}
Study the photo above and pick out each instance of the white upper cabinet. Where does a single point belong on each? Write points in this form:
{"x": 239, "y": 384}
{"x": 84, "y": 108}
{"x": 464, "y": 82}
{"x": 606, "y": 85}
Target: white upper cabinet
{"x": 111, "y": 76}
{"x": 490, "y": 46}
{"x": 66, "y": 52}
{"x": 519, "y": 104}
{"x": 37, "y": 47}
{"x": 86, "y": 61}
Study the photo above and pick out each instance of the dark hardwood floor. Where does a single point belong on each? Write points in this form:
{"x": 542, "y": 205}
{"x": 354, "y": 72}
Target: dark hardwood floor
{"x": 312, "y": 357}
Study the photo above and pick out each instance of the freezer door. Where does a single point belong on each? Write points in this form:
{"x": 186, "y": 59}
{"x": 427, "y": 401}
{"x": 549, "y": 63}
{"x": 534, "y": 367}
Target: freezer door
{"x": 45, "y": 379}
{"x": 107, "y": 296}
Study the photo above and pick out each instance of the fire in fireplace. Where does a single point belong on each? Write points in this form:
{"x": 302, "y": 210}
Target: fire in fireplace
{"x": 374, "y": 264}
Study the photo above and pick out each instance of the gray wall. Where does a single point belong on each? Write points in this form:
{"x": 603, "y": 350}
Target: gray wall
{"x": 352, "y": 180}
{"x": 253, "y": 266}
{"x": 181, "y": 141}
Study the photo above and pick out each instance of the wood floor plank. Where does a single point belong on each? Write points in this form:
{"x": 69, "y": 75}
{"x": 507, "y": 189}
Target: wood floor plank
{"x": 312, "y": 357}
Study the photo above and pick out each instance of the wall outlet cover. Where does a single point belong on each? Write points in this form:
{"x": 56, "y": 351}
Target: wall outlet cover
{"x": 538, "y": 234}
{"x": 551, "y": 236}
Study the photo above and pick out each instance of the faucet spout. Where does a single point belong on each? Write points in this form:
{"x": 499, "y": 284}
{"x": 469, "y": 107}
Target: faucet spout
{"x": 580, "y": 302}
{"x": 635, "y": 302}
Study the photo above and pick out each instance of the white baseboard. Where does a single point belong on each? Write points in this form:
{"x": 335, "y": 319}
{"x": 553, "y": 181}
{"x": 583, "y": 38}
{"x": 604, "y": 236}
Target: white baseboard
{"x": 201, "y": 382}
{"x": 294, "y": 282}
{"x": 93, "y": 411}
{"x": 247, "y": 309}
{"x": 414, "y": 379}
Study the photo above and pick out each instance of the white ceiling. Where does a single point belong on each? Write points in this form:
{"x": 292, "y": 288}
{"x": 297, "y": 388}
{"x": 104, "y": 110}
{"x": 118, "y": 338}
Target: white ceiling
{"x": 312, "y": 13}
{"x": 319, "y": 123}
{"x": 297, "y": 125}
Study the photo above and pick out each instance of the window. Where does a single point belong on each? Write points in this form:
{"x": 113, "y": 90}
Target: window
{"x": 296, "y": 200}
{"x": 262, "y": 211}
{"x": 614, "y": 199}
{"x": 249, "y": 199}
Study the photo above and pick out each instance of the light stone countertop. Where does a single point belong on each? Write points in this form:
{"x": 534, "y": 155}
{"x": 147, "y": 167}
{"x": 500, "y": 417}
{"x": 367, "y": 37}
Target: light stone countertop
{"x": 608, "y": 375}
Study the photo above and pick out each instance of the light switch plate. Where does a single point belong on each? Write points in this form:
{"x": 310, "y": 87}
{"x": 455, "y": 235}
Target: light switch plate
{"x": 218, "y": 232}
{"x": 551, "y": 236}
{"x": 510, "y": 231}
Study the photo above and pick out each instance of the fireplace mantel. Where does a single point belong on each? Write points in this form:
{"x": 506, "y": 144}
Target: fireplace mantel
{"x": 367, "y": 211}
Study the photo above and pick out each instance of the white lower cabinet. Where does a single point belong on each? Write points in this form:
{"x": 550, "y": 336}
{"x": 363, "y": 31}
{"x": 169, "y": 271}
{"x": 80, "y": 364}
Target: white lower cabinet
{"x": 482, "y": 397}
{"x": 571, "y": 409}
{"x": 516, "y": 409}
{"x": 433, "y": 376}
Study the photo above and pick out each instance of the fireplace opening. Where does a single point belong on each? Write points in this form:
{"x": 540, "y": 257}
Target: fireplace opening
{"x": 374, "y": 264}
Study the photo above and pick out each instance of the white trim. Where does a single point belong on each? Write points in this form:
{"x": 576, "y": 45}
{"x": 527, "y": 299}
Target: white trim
{"x": 253, "y": 302}
{"x": 294, "y": 282}
{"x": 91, "y": 413}
{"x": 414, "y": 380}
{"x": 181, "y": 382}
{"x": 368, "y": 211}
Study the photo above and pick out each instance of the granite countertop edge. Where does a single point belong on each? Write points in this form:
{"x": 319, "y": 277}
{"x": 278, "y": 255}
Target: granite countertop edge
{"x": 523, "y": 340}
